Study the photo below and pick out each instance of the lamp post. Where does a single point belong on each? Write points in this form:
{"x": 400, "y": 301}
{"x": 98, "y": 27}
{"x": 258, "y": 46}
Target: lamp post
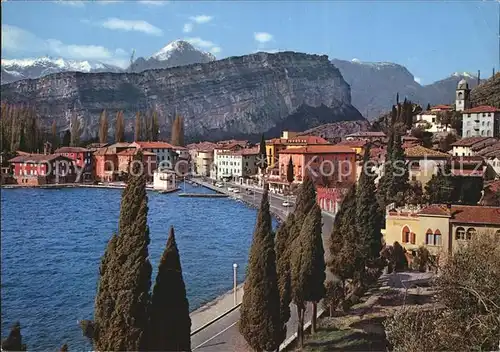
{"x": 235, "y": 266}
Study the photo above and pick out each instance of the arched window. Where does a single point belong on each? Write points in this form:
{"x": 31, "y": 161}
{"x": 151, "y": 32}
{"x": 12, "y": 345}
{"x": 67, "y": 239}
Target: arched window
{"x": 468, "y": 133}
{"x": 460, "y": 233}
{"x": 470, "y": 233}
{"x": 405, "y": 235}
{"x": 437, "y": 238}
{"x": 488, "y": 133}
{"x": 429, "y": 237}
{"x": 460, "y": 95}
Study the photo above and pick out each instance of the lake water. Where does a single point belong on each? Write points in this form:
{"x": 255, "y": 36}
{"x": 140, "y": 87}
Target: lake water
{"x": 52, "y": 242}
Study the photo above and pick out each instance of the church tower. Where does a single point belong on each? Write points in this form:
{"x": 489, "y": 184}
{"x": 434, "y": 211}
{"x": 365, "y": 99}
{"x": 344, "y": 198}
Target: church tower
{"x": 462, "y": 99}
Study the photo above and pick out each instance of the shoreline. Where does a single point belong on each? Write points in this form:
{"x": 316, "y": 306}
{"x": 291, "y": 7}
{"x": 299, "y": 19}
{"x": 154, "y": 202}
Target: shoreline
{"x": 79, "y": 185}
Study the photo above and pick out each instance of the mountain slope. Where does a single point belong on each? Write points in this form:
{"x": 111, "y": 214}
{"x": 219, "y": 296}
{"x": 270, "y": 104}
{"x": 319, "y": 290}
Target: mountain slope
{"x": 374, "y": 86}
{"x": 488, "y": 93}
{"x": 244, "y": 95}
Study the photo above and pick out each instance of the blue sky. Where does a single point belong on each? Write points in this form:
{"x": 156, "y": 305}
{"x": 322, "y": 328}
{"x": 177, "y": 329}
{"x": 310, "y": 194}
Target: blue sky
{"x": 432, "y": 39}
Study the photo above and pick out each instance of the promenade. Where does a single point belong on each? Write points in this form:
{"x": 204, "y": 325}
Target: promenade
{"x": 223, "y": 335}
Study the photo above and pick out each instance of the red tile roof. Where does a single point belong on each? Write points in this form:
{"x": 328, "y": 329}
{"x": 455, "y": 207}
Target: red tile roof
{"x": 36, "y": 158}
{"x": 442, "y": 107}
{"x": 133, "y": 151}
{"x": 467, "y": 214}
{"x": 482, "y": 108}
{"x": 298, "y": 140}
{"x": 319, "y": 149}
{"x": 366, "y": 134}
{"x": 353, "y": 143}
{"x": 72, "y": 150}
{"x": 469, "y": 142}
{"x": 202, "y": 146}
{"x": 421, "y": 152}
{"x": 155, "y": 145}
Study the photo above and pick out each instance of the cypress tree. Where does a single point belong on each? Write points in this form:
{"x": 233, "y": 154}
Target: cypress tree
{"x": 119, "y": 128}
{"x": 66, "y": 141}
{"x": 75, "y": 131}
{"x": 154, "y": 126}
{"x": 55, "y": 135}
{"x": 283, "y": 251}
{"x": 170, "y": 324}
{"x": 176, "y": 130}
{"x": 262, "y": 154}
{"x": 428, "y": 107}
{"x": 181, "y": 131}
{"x": 64, "y": 348}
{"x": 260, "y": 309}
{"x": 289, "y": 171}
{"x": 137, "y": 127}
{"x": 121, "y": 305}
{"x": 14, "y": 342}
{"x": 368, "y": 213}
{"x": 400, "y": 176}
{"x": 103, "y": 127}
{"x": 314, "y": 260}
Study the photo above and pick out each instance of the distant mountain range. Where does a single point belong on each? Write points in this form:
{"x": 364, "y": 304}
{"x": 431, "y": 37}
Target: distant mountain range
{"x": 374, "y": 85}
{"x": 176, "y": 53}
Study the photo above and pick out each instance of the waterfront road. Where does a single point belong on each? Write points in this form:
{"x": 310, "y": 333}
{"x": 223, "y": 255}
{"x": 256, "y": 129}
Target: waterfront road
{"x": 224, "y": 335}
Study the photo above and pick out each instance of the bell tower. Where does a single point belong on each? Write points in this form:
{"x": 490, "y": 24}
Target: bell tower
{"x": 462, "y": 97}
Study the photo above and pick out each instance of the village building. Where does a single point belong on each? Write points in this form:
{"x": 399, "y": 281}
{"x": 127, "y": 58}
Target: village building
{"x": 481, "y": 121}
{"x": 237, "y": 165}
{"x": 329, "y": 199}
{"x": 430, "y": 120}
{"x": 106, "y": 162}
{"x": 82, "y": 158}
{"x": 202, "y": 156}
{"x": 288, "y": 140}
{"x": 472, "y": 145}
{"x": 326, "y": 164}
{"x": 220, "y": 166}
{"x": 440, "y": 228}
{"x": 42, "y": 169}
{"x": 164, "y": 180}
{"x": 166, "y": 154}
{"x": 424, "y": 162}
{"x": 366, "y": 136}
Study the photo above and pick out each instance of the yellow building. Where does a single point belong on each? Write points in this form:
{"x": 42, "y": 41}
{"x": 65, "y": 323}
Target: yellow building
{"x": 288, "y": 140}
{"x": 440, "y": 228}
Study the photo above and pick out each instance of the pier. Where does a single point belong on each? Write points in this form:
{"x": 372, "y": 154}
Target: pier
{"x": 203, "y": 195}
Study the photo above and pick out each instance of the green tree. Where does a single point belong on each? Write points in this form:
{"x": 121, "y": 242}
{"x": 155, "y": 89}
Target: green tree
{"x": 283, "y": 249}
{"x": 103, "y": 127}
{"x": 262, "y": 154}
{"x": 428, "y": 107}
{"x": 260, "y": 309}
{"x": 289, "y": 171}
{"x": 399, "y": 177}
{"x": 66, "y": 141}
{"x": 121, "y": 305}
{"x": 119, "y": 128}
{"x": 14, "y": 342}
{"x": 55, "y": 135}
{"x": 170, "y": 324}
{"x": 75, "y": 131}
{"x": 177, "y": 130}
{"x": 440, "y": 187}
{"x": 138, "y": 127}
{"x": 155, "y": 127}
{"x": 368, "y": 213}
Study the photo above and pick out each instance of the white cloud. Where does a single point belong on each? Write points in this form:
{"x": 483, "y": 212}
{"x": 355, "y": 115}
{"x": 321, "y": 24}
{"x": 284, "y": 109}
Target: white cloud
{"x": 188, "y": 27}
{"x": 131, "y": 25}
{"x": 215, "y": 50}
{"x": 200, "y": 19}
{"x": 153, "y": 2}
{"x": 262, "y": 37}
{"x": 418, "y": 80}
{"x": 70, "y": 3}
{"x": 16, "y": 40}
{"x": 204, "y": 44}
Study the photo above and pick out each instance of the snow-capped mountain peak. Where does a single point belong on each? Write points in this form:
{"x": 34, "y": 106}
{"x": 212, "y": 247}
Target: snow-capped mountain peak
{"x": 178, "y": 47}
{"x": 463, "y": 74}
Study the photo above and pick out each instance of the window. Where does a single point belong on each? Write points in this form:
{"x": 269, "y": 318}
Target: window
{"x": 413, "y": 238}
{"x": 460, "y": 233}
{"x": 497, "y": 236}
{"x": 429, "y": 237}
{"x": 437, "y": 238}
{"x": 470, "y": 232}
{"x": 406, "y": 235}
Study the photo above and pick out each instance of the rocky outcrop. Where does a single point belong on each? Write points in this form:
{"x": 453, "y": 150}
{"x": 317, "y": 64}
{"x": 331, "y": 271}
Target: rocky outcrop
{"x": 338, "y": 129}
{"x": 242, "y": 95}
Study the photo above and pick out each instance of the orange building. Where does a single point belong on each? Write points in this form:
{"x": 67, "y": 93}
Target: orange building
{"x": 324, "y": 163}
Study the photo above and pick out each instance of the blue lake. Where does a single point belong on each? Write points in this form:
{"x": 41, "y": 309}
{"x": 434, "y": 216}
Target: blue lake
{"x": 52, "y": 242}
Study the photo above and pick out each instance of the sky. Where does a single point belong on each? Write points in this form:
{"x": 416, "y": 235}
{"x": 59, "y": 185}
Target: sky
{"x": 432, "y": 39}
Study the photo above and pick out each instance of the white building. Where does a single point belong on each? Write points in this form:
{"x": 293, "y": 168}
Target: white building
{"x": 236, "y": 165}
{"x": 166, "y": 155}
{"x": 219, "y": 166}
{"x": 481, "y": 121}
{"x": 164, "y": 180}
{"x": 471, "y": 146}
{"x": 462, "y": 96}
{"x": 429, "y": 120}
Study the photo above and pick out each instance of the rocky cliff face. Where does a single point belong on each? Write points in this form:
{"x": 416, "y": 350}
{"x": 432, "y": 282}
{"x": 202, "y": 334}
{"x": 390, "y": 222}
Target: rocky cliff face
{"x": 236, "y": 96}
{"x": 488, "y": 93}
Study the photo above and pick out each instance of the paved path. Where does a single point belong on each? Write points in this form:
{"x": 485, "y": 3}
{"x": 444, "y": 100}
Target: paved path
{"x": 224, "y": 335}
